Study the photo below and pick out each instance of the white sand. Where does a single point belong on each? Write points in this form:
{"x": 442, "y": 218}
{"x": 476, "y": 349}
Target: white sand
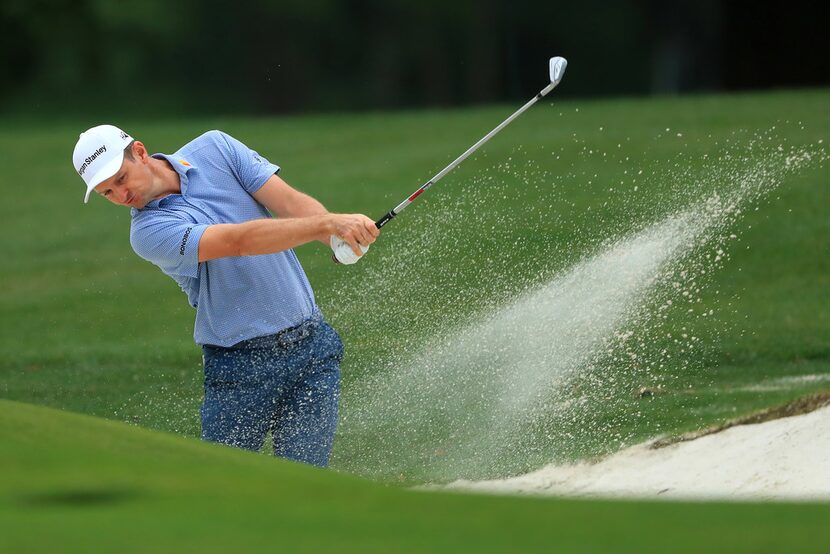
{"x": 783, "y": 459}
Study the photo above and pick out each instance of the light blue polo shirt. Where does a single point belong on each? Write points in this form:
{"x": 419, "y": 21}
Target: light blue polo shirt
{"x": 236, "y": 298}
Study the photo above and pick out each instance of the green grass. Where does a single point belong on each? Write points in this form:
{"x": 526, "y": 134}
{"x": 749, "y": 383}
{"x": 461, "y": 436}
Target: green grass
{"x": 73, "y": 483}
{"x": 87, "y": 326}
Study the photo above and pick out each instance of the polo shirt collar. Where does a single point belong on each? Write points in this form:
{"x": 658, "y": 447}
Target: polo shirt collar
{"x": 182, "y": 166}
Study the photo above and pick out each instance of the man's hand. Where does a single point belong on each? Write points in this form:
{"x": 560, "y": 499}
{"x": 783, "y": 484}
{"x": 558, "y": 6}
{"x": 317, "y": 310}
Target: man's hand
{"x": 356, "y": 230}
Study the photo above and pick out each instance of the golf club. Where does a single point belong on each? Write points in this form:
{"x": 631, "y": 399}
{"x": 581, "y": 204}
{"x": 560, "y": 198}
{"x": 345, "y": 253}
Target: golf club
{"x": 344, "y": 254}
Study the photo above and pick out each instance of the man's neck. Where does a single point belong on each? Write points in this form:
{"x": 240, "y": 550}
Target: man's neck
{"x": 167, "y": 177}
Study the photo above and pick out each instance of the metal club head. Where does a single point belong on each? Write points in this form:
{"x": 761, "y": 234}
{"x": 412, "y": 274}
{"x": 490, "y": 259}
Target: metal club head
{"x": 557, "y": 69}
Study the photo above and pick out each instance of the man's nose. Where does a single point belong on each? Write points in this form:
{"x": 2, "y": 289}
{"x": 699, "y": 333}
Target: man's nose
{"x": 123, "y": 194}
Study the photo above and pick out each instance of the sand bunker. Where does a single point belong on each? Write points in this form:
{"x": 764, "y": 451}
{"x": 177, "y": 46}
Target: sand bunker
{"x": 782, "y": 459}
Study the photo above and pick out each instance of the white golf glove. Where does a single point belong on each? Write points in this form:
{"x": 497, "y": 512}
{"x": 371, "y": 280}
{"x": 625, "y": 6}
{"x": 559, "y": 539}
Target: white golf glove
{"x": 343, "y": 253}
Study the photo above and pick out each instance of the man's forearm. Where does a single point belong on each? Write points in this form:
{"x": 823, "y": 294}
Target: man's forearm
{"x": 287, "y": 202}
{"x": 303, "y": 206}
{"x": 261, "y": 236}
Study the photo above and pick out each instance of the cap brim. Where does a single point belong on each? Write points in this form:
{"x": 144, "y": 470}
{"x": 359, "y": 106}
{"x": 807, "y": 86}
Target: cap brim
{"x": 107, "y": 171}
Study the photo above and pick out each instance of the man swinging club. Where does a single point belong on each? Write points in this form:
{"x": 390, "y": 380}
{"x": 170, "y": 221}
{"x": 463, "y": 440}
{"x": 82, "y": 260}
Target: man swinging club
{"x": 201, "y": 215}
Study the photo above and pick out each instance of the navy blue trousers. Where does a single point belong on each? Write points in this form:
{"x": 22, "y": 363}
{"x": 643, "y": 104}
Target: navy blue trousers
{"x": 288, "y": 384}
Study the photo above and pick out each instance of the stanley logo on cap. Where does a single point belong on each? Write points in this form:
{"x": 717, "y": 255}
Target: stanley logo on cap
{"x": 89, "y": 159}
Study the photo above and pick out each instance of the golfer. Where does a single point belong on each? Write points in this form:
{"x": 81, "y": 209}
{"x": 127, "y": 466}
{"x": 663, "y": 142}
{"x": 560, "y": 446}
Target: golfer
{"x": 203, "y": 216}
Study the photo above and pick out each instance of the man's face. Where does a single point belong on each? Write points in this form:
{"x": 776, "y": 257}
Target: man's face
{"x": 131, "y": 185}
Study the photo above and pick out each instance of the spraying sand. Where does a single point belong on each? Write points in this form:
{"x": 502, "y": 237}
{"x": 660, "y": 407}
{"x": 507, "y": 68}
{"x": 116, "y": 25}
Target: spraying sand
{"x": 545, "y": 372}
{"x": 783, "y": 459}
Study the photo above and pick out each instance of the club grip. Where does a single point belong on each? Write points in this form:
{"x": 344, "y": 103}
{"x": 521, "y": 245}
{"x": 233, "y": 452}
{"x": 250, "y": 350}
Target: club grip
{"x": 387, "y": 217}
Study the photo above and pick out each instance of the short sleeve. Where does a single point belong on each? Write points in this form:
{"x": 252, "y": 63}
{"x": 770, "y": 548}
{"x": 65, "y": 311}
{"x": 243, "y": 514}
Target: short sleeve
{"x": 251, "y": 169}
{"x": 169, "y": 242}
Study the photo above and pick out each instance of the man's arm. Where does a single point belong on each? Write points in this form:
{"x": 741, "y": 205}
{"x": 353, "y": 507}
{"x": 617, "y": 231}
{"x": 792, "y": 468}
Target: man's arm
{"x": 266, "y": 236}
{"x": 287, "y": 202}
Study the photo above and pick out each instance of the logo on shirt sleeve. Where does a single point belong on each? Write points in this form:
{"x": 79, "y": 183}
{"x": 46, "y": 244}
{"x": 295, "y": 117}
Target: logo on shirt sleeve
{"x": 184, "y": 240}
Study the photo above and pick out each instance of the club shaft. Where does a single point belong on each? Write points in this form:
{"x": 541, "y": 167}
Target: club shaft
{"x": 438, "y": 176}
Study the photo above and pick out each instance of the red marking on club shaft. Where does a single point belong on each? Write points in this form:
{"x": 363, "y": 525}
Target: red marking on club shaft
{"x": 416, "y": 194}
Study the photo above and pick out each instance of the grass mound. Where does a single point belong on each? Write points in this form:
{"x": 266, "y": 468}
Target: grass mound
{"x": 74, "y": 483}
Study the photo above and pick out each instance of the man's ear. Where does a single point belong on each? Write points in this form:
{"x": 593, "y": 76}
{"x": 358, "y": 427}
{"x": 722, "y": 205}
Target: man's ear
{"x": 140, "y": 151}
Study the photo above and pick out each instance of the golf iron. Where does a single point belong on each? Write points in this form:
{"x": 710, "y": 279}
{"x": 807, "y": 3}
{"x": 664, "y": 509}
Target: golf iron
{"x": 344, "y": 254}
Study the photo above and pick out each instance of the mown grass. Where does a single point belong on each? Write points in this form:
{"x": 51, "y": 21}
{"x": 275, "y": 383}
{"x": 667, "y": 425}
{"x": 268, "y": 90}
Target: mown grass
{"x": 73, "y": 483}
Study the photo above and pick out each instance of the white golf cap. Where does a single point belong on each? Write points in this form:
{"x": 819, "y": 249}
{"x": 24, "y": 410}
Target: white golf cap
{"x": 99, "y": 154}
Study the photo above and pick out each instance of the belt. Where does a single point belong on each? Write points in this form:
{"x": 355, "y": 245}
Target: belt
{"x": 285, "y": 338}
{"x": 292, "y": 335}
